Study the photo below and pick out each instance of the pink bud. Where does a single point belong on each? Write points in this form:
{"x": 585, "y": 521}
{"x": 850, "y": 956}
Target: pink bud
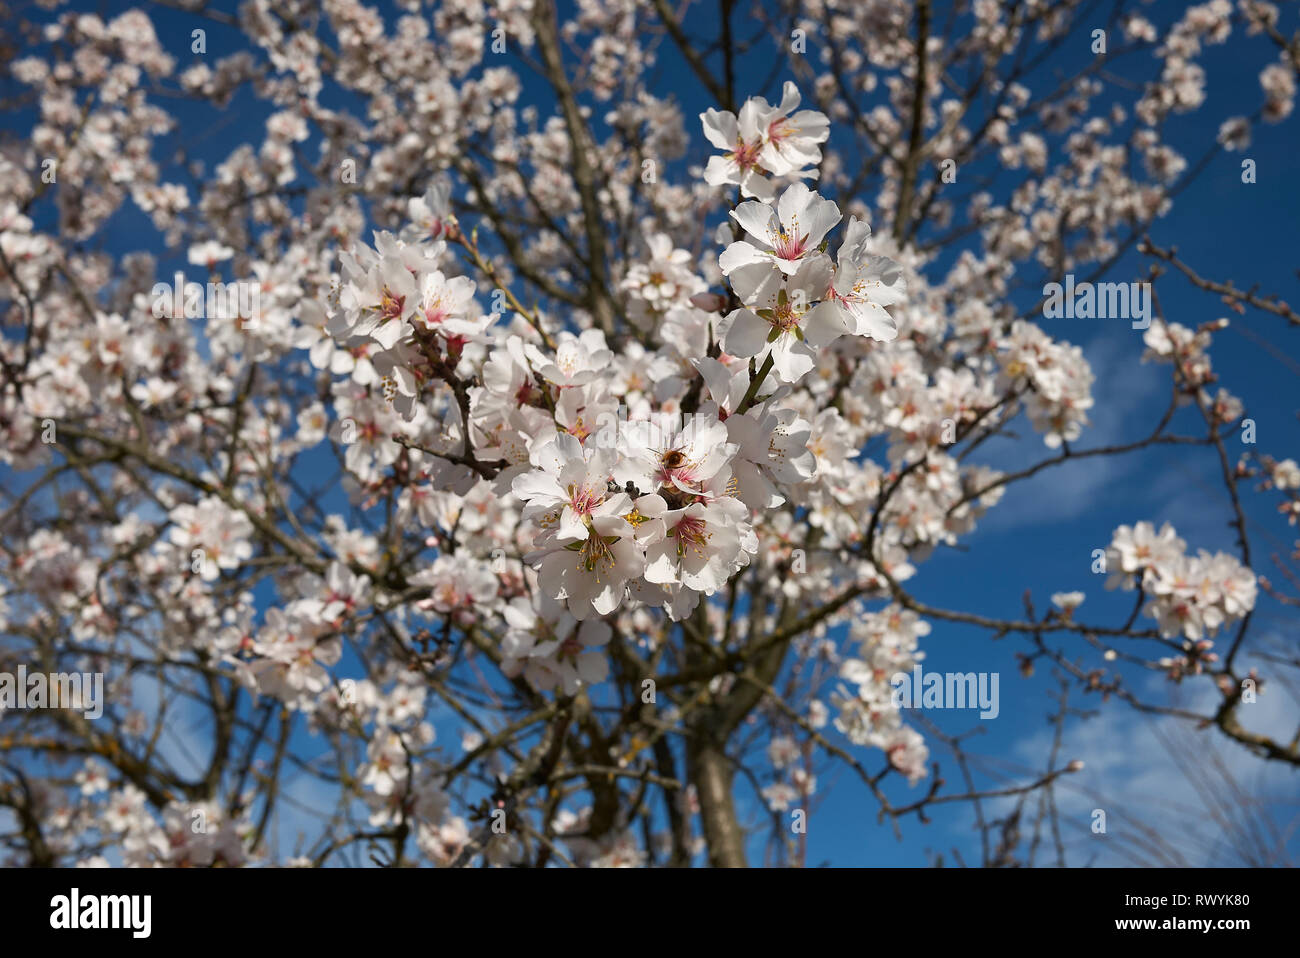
{"x": 709, "y": 302}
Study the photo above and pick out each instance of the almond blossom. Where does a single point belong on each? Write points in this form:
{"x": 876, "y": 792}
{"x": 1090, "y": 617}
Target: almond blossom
{"x": 787, "y": 235}
{"x": 575, "y": 490}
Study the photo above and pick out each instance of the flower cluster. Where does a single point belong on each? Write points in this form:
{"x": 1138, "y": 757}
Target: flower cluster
{"x": 657, "y": 513}
{"x": 404, "y": 314}
{"x": 1191, "y": 596}
{"x": 794, "y": 299}
{"x": 887, "y": 645}
{"x": 1056, "y": 377}
{"x": 1284, "y": 476}
{"x": 764, "y": 139}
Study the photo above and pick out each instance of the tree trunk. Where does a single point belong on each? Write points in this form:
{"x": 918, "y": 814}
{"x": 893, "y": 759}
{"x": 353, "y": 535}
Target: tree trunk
{"x": 713, "y": 775}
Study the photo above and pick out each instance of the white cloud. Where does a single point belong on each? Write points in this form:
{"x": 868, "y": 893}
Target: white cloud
{"x": 1173, "y": 794}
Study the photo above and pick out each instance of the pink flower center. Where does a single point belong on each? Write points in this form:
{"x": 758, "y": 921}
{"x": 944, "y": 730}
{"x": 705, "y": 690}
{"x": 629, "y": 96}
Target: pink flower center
{"x": 525, "y": 394}
{"x": 390, "y": 306}
{"x": 691, "y": 534}
{"x": 583, "y": 499}
{"x": 435, "y": 312}
{"x": 596, "y": 555}
{"x": 455, "y": 345}
{"x": 784, "y": 316}
{"x": 746, "y": 154}
{"x": 789, "y": 245}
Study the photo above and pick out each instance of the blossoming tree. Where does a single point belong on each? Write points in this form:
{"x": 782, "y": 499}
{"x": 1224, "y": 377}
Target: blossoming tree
{"x": 615, "y": 437}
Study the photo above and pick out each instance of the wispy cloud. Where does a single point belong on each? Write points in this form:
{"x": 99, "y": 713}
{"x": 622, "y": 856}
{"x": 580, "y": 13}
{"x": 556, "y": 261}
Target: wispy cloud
{"x": 1173, "y": 794}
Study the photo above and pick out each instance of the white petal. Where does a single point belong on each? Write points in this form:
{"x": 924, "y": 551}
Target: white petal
{"x": 739, "y": 254}
{"x": 757, "y": 284}
{"x": 746, "y": 335}
{"x": 717, "y": 379}
{"x": 661, "y": 562}
{"x": 571, "y": 525}
{"x": 792, "y": 359}
{"x": 537, "y": 485}
{"x": 754, "y": 184}
{"x": 825, "y": 324}
{"x": 756, "y": 219}
{"x": 792, "y": 204}
{"x": 820, "y": 219}
{"x": 721, "y": 171}
{"x": 720, "y": 128}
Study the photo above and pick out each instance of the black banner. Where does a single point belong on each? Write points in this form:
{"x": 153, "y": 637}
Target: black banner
{"x": 922, "y": 907}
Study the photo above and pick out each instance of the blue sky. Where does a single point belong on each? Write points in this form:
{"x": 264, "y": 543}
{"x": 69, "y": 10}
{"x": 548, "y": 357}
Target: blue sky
{"x": 1042, "y": 535}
